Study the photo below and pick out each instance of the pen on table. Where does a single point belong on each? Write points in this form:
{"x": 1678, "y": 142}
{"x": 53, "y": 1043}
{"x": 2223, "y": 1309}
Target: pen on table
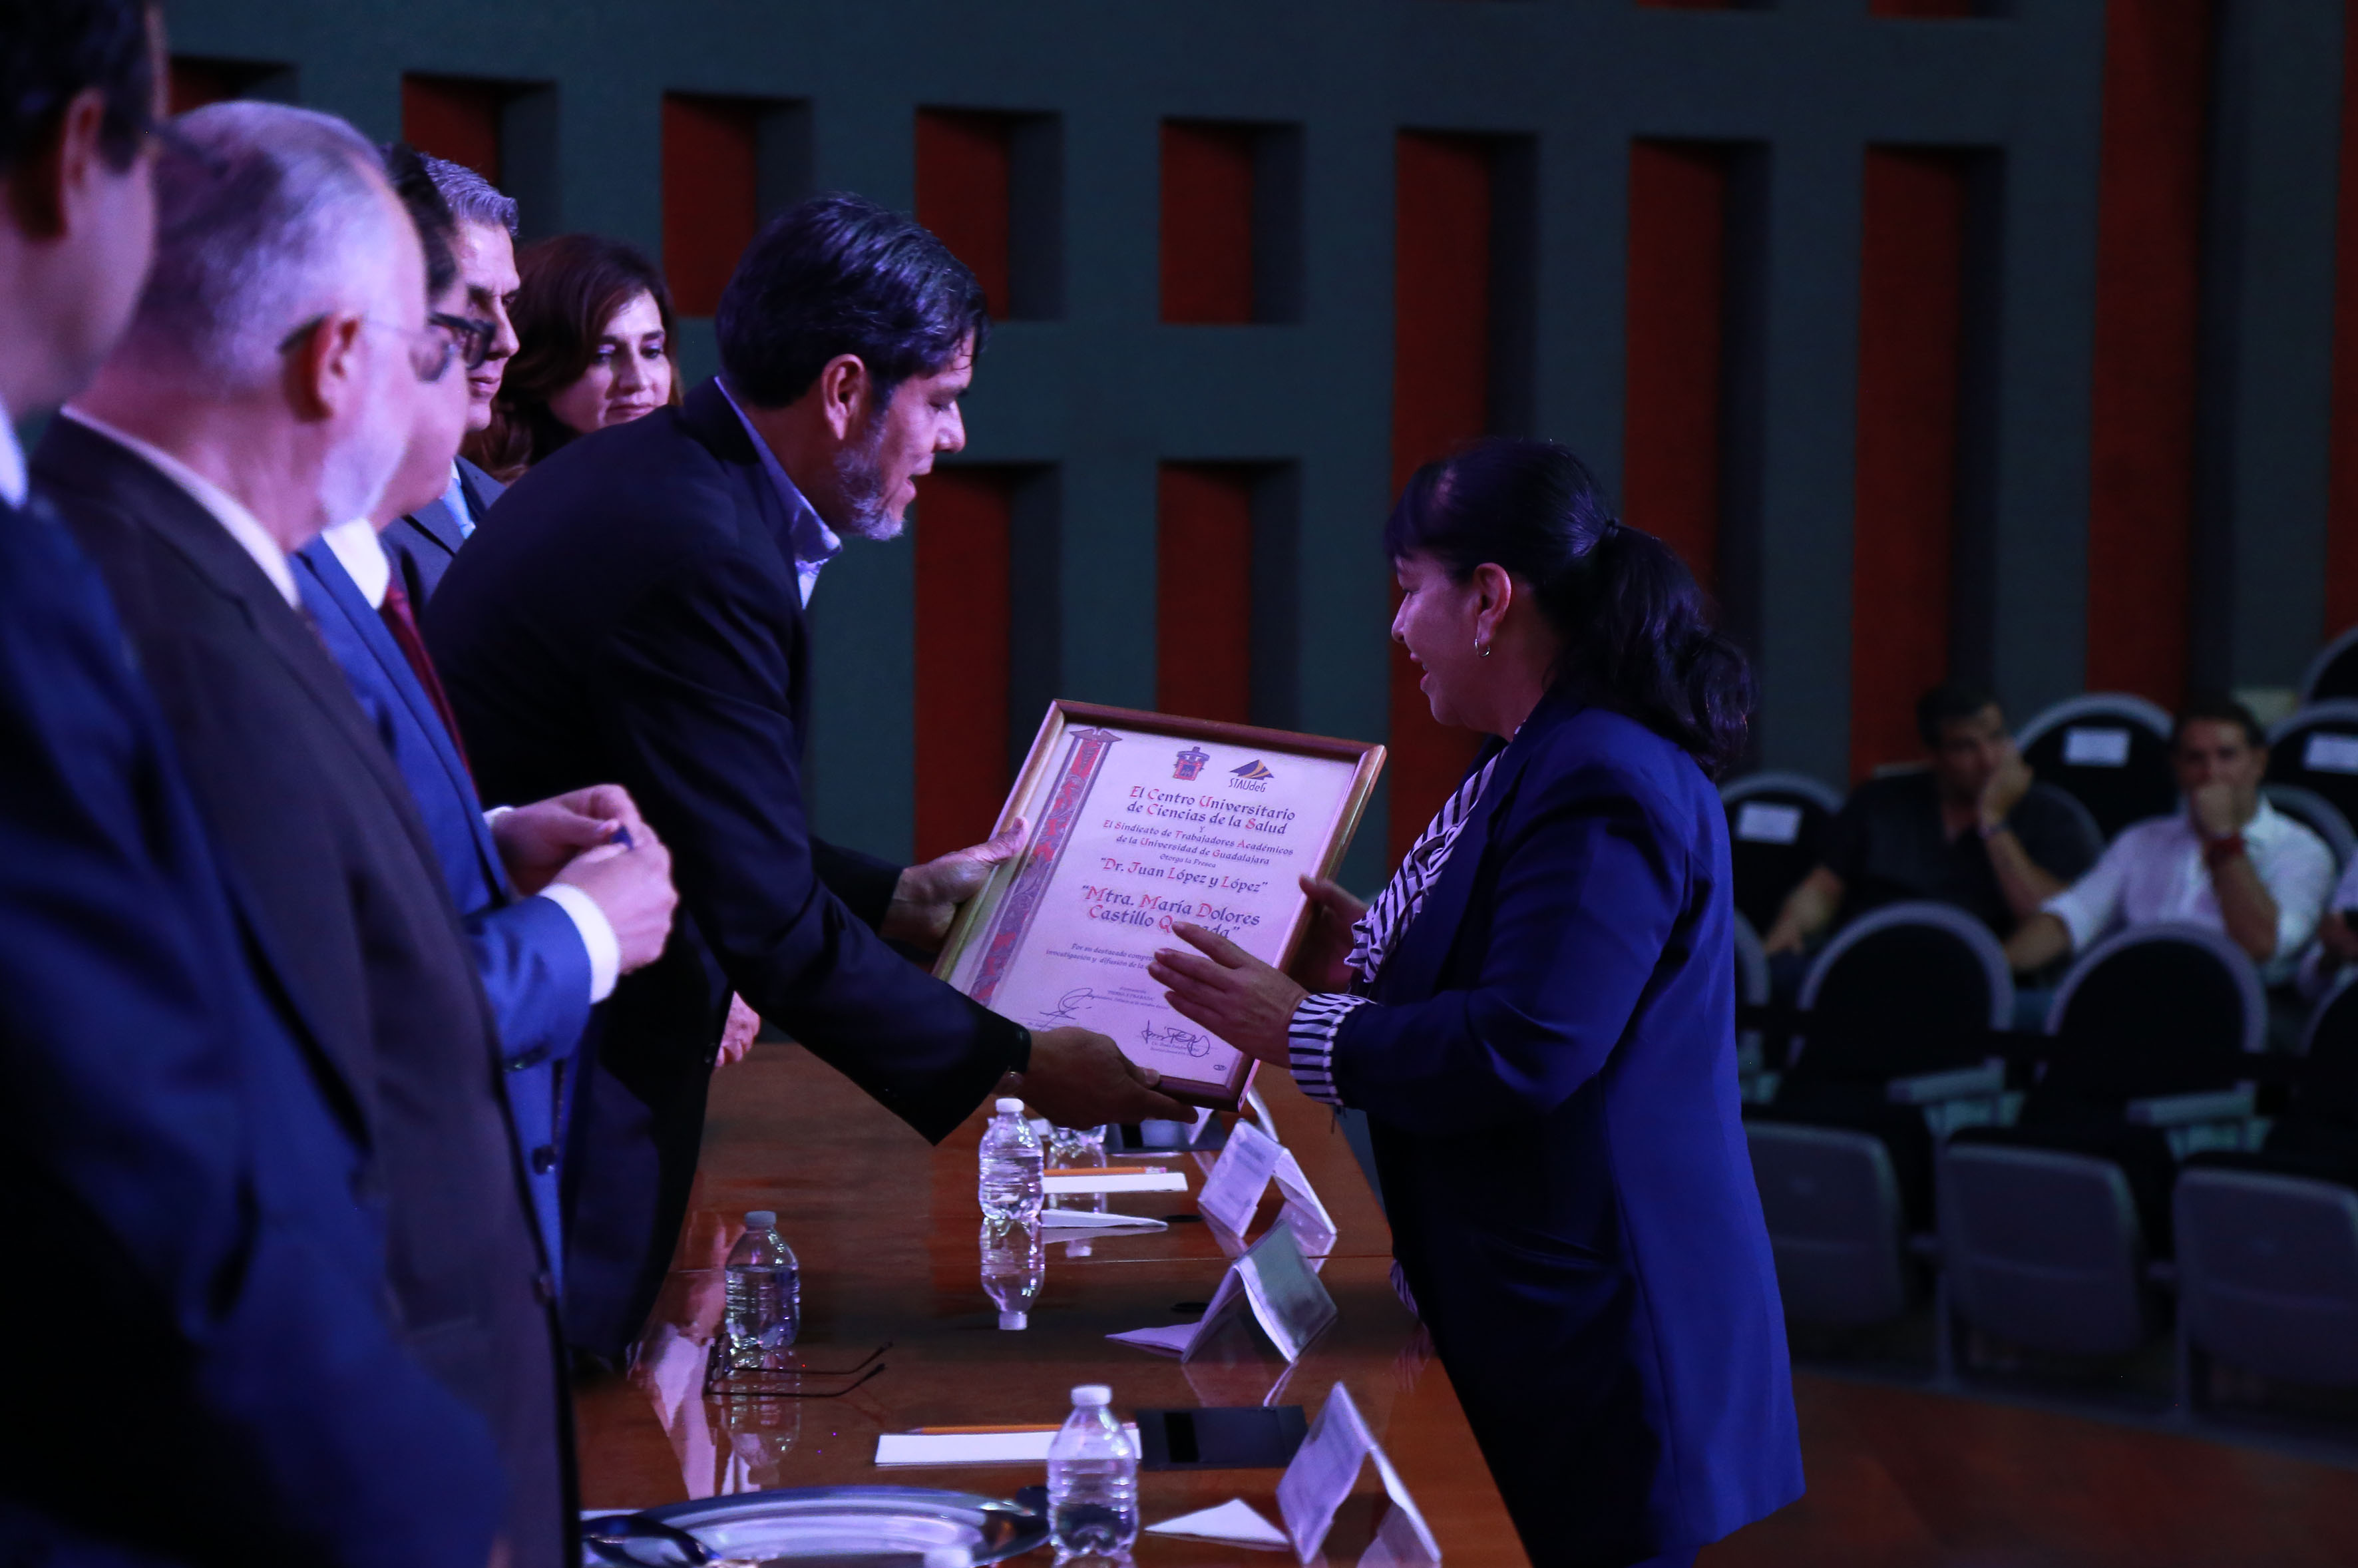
{"x": 983, "y": 1430}
{"x": 1103, "y": 1170}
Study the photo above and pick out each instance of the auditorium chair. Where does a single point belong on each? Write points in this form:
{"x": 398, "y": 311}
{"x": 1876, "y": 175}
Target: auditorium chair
{"x": 2048, "y": 1226}
{"x": 1894, "y": 1051}
{"x": 2334, "y": 672}
{"x": 1776, "y": 832}
{"x": 1751, "y": 990}
{"x": 2108, "y": 750}
{"x": 2317, "y": 814}
{"x": 2316, "y": 748}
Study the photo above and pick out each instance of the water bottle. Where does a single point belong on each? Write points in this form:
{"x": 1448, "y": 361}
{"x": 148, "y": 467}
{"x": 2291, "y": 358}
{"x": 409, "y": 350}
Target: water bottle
{"x": 1012, "y": 1163}
{"x": 765, "y": 1296}
{"x": 1014, "y": 1266}
{"x": 1073, "y": 1145}
{"x": 1092, "y": 1479}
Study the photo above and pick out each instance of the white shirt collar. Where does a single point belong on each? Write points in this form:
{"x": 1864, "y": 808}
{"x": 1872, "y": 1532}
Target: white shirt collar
{"x": 355, "y": 545}
{"x": 12, "y": 462}
{"x": 227, "y": 510}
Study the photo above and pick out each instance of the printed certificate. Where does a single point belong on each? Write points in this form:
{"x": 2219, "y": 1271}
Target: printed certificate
{"x": 1138, "y": 820}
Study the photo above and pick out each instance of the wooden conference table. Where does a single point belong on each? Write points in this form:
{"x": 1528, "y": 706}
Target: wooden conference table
{"x": 887, "y": 1232}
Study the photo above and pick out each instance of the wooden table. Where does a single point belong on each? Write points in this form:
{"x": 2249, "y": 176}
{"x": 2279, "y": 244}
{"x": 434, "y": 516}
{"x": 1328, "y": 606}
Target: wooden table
{"x": 887, "y": 1233}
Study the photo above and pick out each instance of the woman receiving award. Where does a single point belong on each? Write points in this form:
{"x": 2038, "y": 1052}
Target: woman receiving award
{"x": 1537, "y": 1015}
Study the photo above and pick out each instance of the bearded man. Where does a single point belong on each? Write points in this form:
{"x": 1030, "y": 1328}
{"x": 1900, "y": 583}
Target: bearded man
{"x": 636, "y": 615}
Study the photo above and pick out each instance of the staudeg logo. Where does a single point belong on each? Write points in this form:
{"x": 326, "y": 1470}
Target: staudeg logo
{"x": 1255, "y": 770}
{"x": 1189, "y": 763}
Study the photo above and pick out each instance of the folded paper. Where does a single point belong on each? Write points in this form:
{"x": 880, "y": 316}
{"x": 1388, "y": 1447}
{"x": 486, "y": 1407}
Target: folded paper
{"x": 1275, "y": 1283}
{"x": 1235, "y": 1520}
{"x": 1252, "y": 1160}
{"x": 1324, "y": 1469}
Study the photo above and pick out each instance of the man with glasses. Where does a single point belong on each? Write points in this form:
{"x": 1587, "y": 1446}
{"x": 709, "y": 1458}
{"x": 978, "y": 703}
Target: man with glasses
{"x": 176, "y": 1191}
{"x": 265, "y": 388}
{"x": 587, "y": 913}
{"x": 422, "y": 541}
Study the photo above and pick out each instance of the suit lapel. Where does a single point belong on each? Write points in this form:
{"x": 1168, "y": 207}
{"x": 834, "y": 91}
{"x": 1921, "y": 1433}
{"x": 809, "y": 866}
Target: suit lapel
{"x": 1414, "y": 970}
{"x": 330, "y": 574}
{"x": 707, "y": 416}
{"x": 434, "y": 520}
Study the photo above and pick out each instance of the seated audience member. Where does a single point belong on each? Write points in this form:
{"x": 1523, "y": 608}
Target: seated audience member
{"x": 186, "y": 1254}
{"x": 1973, "y": 829}
{"x": 267, "y": 387}
{"x": 421, "y": 542}
{"x": 547, "y": 951}
{"x": 2227, "y": 861}
{"x": 595, "y": 320}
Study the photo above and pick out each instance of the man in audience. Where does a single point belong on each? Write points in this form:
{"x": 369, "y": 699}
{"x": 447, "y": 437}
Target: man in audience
{"x": 422, "y": 541}
{"x": 547, "y": 958}
{"x": 2227, "y": 861}
{"x": 263, "y": 389}
{"x": 1973, "y": 830}
{"x": 637, "y": 613}
{"x": 185, "y": 1257}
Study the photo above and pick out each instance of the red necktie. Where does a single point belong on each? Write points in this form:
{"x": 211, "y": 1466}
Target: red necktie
{"x": 403, "y": 624}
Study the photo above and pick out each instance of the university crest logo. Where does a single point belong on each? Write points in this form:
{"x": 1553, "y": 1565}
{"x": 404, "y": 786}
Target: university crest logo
{"x": 1256, "y": 769}
{"x": 1189, "y": 764}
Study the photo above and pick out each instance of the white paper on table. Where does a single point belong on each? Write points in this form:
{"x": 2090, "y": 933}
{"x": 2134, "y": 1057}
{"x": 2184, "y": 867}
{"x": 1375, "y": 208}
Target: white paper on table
{"x": 1249, "y": 1163}
{"x": 1235, "y": 1520}
{"x": 1089, "y": 1220}
{"x": 1324, "y": 1469}
{"x": 968, "y": 1447}
{"x": 1151, "y": 1182}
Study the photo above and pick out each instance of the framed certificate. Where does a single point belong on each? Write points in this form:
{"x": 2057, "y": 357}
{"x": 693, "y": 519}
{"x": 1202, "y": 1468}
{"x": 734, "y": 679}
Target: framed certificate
{"x": 1138, "y": 820}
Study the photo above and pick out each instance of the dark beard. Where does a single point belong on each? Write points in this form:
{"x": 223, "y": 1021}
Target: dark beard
{"x": 859, "y": 485}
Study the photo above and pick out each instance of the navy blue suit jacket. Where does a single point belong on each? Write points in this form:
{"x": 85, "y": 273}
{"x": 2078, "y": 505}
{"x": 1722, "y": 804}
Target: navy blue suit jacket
{"x": 528, "y": 954}
{"x": 188, "y": 1203}
{"x": 421, "y": 545}
{"x": 1550, "y": 1081}
{"x": 630, "y": 612}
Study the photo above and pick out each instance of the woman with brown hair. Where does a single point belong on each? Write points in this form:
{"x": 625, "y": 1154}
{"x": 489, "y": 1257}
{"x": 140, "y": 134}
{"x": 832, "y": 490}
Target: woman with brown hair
{"x": 595, "y": 321}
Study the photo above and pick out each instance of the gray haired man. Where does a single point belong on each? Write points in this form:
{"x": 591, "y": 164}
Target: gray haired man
{"x": 421, "y": 542}
{"x": 267, "y": 387}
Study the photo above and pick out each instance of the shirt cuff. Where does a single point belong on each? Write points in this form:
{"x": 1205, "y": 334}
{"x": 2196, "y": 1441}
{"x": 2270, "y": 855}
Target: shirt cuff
{"x": 596, "y": 936}
{"x": 1310, "y": 1042}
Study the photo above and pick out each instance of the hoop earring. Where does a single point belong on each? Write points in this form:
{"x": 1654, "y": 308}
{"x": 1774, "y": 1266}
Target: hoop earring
{"x": 1482, "y": 650}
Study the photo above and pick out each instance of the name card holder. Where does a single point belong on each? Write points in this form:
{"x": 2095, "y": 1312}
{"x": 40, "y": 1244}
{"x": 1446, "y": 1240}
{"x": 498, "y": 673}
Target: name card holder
{"x": 1324, "y": 1469}
{"x": 1251, "y": 1159}
{"x": 1275, "y": 1284}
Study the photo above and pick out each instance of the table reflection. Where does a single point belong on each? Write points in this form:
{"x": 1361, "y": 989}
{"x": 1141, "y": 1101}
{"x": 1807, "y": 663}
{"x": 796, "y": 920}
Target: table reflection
{"x": 1014, "y": 1266}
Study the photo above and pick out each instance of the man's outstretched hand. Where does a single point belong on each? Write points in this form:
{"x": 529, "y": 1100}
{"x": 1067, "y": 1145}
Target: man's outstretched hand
{"x": 927, "y": 897}
{"x": 1079, "y": 1078}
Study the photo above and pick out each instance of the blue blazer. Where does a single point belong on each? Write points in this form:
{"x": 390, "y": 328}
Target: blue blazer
{"x": 1550, "y": 1081}
{"x": 189, "y": 1204}
{"x": 534, "y": 970}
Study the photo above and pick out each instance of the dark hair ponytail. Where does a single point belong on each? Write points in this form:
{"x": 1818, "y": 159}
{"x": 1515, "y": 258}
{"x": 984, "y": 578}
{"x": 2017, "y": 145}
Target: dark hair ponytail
{"x": 1637, "y": 632}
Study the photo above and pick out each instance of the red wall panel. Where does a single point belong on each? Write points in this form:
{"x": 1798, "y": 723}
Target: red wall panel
{"x": 455, "y": 117}
{"x": 1674, "y": 319}
{"x": 961, "y": 608}
{"x": 1440, "y": 399}
{"x": 1203, "y": 590}
{"x": 2148, "y": 296}
{"x": 963, "y": 163}
{"x": 1207, "y": 238}
{"x": 1911, "y": 295}
{"x": 2341, "y": 510}
{"x": 711, "y": 195}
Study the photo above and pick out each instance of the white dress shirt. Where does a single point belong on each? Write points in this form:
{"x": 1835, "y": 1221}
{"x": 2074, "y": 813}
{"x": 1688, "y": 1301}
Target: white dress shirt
{"x": 2319, "y": 969}
{"x": 2154, "y": 871}
{"x": 814, "y": 544}
{"x": 226, "y": 509}
{"x": 357, "y": 548}
{"x": 12, "y": 462}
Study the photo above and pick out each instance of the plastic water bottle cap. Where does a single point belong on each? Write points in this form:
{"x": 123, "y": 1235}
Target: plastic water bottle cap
{"x": 948, "y": 1557}
{"x": 1011, "y": 1108}
{"x": 1014, "y": 1320}
{"x": 1090, "y": 1395}
{"x": 761, "y": 1220}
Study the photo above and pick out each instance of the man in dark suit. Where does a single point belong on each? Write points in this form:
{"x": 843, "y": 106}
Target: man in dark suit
{"x": 636, "y": 613}
{"x": 421, "y": 541}
{"x": 548, "y": 957}
{"x": 184, "y": 1191}
{"x": 264, "y": 386}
